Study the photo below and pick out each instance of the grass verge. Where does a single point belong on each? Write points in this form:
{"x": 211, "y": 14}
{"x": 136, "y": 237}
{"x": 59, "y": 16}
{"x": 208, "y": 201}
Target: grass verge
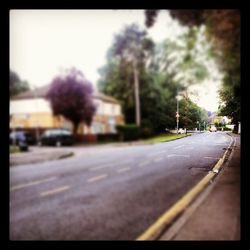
{"x": 166, "y": 137}
{"x": 14, "y": 149}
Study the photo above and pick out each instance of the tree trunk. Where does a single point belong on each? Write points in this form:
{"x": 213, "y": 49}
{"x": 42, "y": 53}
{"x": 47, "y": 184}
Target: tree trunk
{"x": 75, "y": 127}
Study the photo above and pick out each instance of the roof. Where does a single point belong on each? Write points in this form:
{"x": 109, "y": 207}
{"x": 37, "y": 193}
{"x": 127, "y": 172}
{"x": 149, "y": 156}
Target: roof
{"x": 42, "y": 91}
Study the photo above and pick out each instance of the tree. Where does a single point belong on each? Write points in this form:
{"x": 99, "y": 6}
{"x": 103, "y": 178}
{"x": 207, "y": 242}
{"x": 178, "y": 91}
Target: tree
{"x": 129, "y": 46}
{"x": 223, "y": 29}
{"x": 158, "y": 70}
{"x": 196, "y": 114}
{"x": 70, "y": 95}
{"x": 16, "y": 85}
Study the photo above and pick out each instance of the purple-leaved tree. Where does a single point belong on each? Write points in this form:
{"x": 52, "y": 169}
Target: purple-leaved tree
{"x": 70, "y": 95}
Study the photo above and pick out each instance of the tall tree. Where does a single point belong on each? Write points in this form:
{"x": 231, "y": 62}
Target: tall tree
{"x": 130, "y": 48}
{"x": 70, "y": 95}
{"x": 223, "y": 29}
{"x": 159, "y": 82}
{"x": 16, "y": 85}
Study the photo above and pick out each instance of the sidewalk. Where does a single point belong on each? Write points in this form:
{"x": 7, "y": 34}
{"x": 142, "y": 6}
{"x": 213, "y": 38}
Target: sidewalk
{"x": 217, "y": 217}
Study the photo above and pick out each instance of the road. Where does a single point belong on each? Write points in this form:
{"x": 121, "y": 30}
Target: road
{"x": 111, "y": 195}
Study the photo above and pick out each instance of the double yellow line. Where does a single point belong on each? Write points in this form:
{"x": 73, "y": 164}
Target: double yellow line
{"x": 155, "y": 230}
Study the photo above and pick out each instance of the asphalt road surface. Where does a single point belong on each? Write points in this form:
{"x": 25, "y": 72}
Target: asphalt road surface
{"x": 111, "y": 195}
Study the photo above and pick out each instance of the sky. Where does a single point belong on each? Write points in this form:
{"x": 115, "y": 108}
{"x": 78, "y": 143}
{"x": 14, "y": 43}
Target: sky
{"x": 43, "y": 42}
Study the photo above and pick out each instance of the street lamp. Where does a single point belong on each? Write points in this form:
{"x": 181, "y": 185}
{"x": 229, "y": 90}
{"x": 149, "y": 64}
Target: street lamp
{"x": 178, "y": 97}
{"x": 198, "y": 123}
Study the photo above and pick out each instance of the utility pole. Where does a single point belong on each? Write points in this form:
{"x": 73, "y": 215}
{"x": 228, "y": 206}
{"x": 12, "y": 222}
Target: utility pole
{"x": 177, "y": 113}
{"x": 137, "y": 95}
{"x": 186, "y": 108}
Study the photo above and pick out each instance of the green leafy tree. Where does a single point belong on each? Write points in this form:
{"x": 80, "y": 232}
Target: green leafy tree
{"x": 16, "y": 85}
{"x": 158, "y": 70}
{"x": 224, "y": 30}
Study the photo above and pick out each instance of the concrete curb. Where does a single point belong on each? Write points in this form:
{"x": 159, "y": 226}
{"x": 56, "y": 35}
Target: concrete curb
{"x": 155, "y": 231}
{"x": 38, "y": 158}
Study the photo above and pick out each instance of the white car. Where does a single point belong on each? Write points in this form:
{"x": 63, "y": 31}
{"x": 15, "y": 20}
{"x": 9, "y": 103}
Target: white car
{"x": 213, "y": 129}
{"x": 181, "y": 131}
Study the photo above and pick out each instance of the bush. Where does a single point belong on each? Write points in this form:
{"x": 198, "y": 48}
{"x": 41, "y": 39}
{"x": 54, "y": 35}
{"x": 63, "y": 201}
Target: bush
{"x": 146, "y": 132}
{"x": 146, "y": 129}
{"x": 128, "y": 132}
{"x": 227, "y": 129}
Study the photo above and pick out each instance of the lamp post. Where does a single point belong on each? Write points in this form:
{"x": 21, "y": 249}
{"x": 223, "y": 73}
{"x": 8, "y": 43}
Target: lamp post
{"x": 178, "y": 97}
{"x": 198, "y": 123}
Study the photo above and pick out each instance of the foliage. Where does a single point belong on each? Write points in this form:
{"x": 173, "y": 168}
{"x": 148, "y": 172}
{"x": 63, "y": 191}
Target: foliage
{"x": 195, "y": 114}
{"x": 16, "y": 85}
{"x": 70, "y": 95}
{"x": 224, "y": 30}
{"x": 229, "y": 104}
{"x": 159, "y": 66}
{"x": 128, "y": 132}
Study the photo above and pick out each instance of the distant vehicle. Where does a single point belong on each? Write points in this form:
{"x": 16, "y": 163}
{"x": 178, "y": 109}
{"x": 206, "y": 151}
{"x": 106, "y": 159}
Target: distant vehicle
{"x": 213, "y": 129}
{"x": 57, "y": 137}
{"x": 181, "y": 131}
{"x": 21, "y": 137}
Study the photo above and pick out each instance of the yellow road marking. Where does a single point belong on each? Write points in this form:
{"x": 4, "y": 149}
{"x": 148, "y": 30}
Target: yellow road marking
{"x": 32, "y": 183}
{"x": 54, "y": 191}
{"x": 175, "y": 210}
{"x": 210, "y": 157}
{"x": 154, "y": 230}
{"x": 97, "y": 178}
{"x": 123, "y": 170}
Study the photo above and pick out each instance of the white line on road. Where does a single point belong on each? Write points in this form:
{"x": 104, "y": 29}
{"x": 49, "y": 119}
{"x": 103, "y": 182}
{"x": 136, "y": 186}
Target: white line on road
{"x": 97, "y": 178}
{"x": 55, "y": 191}
{"x": 175, "y": 155}
{"x": 158, "y": 159}
{"x": 179, "y": 146}
{"x": 123, "y": 170}
{"x": 32, "y": 183}
{"x": 158, "y": 152}
{"x": 143, "y": 164}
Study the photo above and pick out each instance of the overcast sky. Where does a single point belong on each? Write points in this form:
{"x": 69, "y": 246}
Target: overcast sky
{"x": 44, "y": 41}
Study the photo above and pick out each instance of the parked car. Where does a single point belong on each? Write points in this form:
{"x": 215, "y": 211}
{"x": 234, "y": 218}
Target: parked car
{"x": 57, "y": 137}
{"x": 213, "y": 129}
{"x": 21, "y": 137}
{"x": 181, "y": 131}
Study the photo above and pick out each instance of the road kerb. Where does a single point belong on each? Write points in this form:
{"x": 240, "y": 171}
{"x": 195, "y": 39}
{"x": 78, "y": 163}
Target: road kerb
{"x": 156, "y": 230}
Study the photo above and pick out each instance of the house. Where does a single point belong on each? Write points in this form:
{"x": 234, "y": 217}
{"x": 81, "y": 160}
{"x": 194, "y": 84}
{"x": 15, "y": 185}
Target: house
{"x": 30, "y": 110}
